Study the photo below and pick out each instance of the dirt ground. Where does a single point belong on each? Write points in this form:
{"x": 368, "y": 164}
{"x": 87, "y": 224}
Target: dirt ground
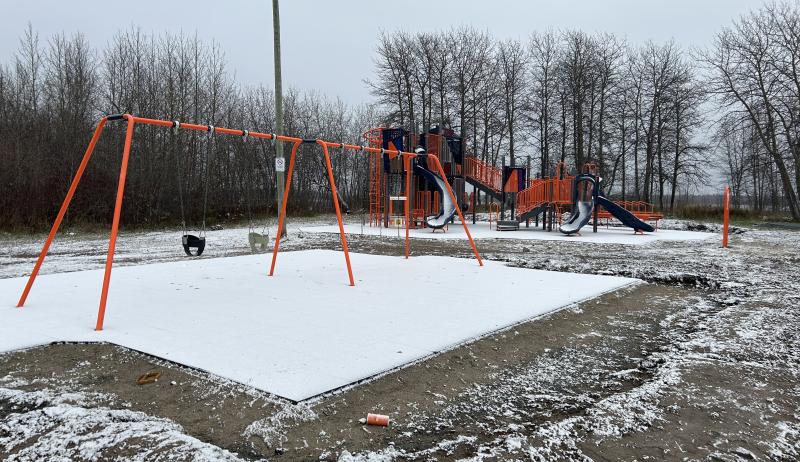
{"x": 699, "y": 363}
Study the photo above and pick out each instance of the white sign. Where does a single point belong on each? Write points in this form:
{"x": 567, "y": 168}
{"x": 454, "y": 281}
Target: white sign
{"x": 397, "y": 198}
{"x": 280, "y": 164}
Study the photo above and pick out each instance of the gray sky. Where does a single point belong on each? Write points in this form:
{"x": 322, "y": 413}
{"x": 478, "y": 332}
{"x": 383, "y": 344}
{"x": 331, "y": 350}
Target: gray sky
{"x": 328, "y": 45}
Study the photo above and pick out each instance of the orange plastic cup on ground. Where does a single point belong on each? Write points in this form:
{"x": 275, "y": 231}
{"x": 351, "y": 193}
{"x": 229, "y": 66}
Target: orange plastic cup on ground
{"x": 378, "y": 419}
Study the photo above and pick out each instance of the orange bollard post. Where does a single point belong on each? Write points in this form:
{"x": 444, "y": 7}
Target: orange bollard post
{"x": 726, "y": 205}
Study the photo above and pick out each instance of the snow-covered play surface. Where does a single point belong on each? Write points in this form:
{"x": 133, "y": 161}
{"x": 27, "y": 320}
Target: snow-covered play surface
{"x": 612, "y": 235}
{"x": 302, "y": 332}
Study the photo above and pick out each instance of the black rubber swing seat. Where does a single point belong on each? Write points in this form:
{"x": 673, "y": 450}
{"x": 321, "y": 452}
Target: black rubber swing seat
{"x": 193, "y": 242}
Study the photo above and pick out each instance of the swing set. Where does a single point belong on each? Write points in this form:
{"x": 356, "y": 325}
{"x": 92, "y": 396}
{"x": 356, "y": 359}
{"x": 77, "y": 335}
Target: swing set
{"x": 198, "y": 242}
{"x": 190, "y": 241}
{"x": 194, "y": 245}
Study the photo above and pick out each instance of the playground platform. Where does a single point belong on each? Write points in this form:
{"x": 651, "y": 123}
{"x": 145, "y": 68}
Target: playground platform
{"x": 301, "y": 333}
{"x": 481, "y": 230}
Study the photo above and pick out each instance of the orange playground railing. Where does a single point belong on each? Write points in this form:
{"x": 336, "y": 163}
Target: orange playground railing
{"x": 488, "y": 175}
{"x": 534, "y": 196}
{"x": 642, "y": 210}
{"x": 544, "y": 191}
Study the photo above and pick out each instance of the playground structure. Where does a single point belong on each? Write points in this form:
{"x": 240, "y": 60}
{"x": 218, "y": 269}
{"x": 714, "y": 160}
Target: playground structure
{"x": 419, "y": 184}
{"x": 390, "y": 154}
{"x": 540, "y": 199}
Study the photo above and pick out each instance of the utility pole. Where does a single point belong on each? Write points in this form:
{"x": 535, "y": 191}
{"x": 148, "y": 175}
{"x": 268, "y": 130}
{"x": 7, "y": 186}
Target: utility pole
{"x": 280, "y": 162}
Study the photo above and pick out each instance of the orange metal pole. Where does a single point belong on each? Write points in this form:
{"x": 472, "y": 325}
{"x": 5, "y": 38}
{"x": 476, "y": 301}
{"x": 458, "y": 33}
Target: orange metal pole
{"x": 112, "y": 242}
{"x": 336, "y": 207}
{"x": 282, "y": 218}
{"x": 62, "y": 211}
{"x": 726, "y": 215}
{"x": 407, "y": 162}
{"x": 458, "y": 207}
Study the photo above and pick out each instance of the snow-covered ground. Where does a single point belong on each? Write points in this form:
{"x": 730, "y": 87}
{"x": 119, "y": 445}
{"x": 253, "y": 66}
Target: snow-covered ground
{"x": 702, "y": 364}
{"x": 481, "y": 230}
{"x": 54, "y": 425}
{"x": 313, "y": 332}
{"x": 76, "y": 251}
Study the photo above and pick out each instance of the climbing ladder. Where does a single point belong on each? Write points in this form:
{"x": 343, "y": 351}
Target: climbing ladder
{"x": 375, "y": 140}
{"x": 375, "y": 202}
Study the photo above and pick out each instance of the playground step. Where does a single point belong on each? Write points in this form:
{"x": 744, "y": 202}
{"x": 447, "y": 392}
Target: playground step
{"x": 507, "y": 225}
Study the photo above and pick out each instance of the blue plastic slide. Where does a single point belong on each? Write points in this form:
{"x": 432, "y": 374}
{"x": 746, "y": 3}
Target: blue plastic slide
{"x": 625, "y": 217}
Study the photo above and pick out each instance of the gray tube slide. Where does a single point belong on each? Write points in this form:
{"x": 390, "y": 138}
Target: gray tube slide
{"x": 447, "y": 208}
{"x": 581, "y": 214}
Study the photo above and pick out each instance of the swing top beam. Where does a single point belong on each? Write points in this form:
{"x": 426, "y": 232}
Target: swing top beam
{"x": 132, "y": 121}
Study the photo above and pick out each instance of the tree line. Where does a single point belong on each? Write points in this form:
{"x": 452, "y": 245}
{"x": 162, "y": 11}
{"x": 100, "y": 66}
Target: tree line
{"x": 641, "y": 113}
{"x": 659, "y": 121}
{"x": 53, "y": 94}
{"x": 754, "y": 69}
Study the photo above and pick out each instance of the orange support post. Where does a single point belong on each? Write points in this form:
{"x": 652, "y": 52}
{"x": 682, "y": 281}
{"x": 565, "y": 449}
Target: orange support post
{"x": 282, "y": 217}
{"x": 496, "y": 208}
{"x": 726, "y": 205}
{"x": 112, "y": 242}
{"x": 458, "y": 207}
{"x": 336, "y": 208}
{"x": 407, "y": 166}
{"x": 63, "y": 210}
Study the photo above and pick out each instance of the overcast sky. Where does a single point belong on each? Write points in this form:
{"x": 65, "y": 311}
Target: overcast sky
{"x": 328, "y": 45}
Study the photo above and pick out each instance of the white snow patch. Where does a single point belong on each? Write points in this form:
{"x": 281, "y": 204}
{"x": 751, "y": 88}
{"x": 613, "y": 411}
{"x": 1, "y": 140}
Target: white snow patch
{"x": 302, "y": 332}
{"x": 612, "y": 235}
{"x": 57, "y": 427}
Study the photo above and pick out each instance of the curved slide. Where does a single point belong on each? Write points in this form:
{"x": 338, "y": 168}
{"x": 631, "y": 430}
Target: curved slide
{"x": 447, "y": 208}
{"x": 578, "y": 219}
{"x": 584, "y": 210}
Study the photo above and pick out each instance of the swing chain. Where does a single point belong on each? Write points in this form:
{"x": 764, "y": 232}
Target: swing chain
{"x": 209, "y": 148}
{"x": 175, "y": 128}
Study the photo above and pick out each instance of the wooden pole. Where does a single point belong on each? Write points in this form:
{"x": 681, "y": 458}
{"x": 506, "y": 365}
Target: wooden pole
{"x": 276, "y": 43}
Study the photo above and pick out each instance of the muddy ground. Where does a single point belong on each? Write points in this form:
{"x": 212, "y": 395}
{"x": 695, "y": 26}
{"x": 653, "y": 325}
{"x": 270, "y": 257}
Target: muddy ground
{"x": 698, "y": 363}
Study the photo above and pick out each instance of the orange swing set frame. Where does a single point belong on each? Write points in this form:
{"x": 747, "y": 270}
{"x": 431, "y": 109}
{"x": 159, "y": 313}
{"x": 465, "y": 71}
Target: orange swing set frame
{"x": 132, "y": 121}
